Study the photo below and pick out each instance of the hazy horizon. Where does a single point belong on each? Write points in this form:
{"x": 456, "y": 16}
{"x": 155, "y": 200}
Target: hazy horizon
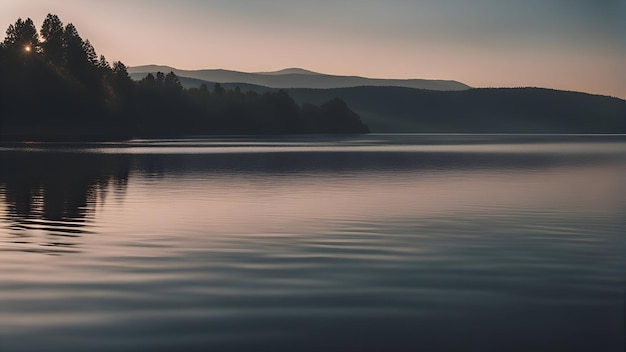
{"x": 577, "y": 46}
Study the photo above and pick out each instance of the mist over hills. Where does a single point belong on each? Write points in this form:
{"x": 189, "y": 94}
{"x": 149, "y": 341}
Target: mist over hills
{"x": 296, "y": 78}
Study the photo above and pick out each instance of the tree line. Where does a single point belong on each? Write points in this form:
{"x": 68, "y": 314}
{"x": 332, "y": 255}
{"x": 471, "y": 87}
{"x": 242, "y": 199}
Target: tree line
{"x": 54, "y": 86}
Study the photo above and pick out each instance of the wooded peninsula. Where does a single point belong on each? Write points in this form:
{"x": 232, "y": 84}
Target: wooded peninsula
{"x": 55, "y": 87}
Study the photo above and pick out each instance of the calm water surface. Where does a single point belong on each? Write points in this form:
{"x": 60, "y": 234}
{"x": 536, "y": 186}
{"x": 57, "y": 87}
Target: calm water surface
{"x": 371, "y": 243}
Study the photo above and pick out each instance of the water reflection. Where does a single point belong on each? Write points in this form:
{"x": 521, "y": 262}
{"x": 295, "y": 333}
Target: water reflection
{"x": 505, "y": 245}
{"x": 52, "y": 192}
{"x": 51, "y": 198}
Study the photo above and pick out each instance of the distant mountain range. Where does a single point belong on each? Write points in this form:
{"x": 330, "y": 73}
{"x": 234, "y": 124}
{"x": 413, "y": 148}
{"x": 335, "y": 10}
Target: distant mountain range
{"x": 393, "y": 108}
{"x": 296, "y": 78}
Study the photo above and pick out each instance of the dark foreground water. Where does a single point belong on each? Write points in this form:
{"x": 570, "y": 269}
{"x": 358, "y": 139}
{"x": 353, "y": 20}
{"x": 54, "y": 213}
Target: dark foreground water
{"x": 375, "y": 243}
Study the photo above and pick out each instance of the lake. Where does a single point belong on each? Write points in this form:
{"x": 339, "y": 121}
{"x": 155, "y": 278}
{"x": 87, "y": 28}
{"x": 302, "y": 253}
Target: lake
{"x": 346, "y": 243}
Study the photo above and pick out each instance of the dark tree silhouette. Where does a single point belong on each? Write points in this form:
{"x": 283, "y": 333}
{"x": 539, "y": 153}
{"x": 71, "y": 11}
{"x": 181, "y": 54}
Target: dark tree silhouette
{"x": 59, "y": 89}
{"x": 22, "y": 37}
{"x": 103, "y": 63}
{"x": 160, "y": 78}
{"x": 53, "y": 39}
{"x": 92, "y": 57}
{"x": 75, "y": 55}
{"x": 172, "y": 84}
{"x": 218, "y": 90}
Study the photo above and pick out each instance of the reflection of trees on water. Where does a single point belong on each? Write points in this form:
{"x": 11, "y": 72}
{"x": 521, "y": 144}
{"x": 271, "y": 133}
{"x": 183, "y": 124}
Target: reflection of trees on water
{"x": 51, "y": 198}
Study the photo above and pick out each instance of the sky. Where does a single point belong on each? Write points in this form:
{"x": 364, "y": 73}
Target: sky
{"x": 575, "y": 45}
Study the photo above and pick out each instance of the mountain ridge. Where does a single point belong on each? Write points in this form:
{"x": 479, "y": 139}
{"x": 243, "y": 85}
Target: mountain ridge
{"x": 290, "y": 70}
{"x": 298, "y": 78}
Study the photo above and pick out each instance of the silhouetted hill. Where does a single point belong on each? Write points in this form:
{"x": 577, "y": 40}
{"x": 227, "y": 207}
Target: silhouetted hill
{"x": 487, "y": 110}
{"x": 484, "y": 110}
{"x": 296, "y": 78}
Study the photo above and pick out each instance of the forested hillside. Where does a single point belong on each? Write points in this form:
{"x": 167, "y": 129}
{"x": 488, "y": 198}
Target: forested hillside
{"x": 476, "y": 110}
{"x": 480, "y": 110}
{"x": 55, "y": 87}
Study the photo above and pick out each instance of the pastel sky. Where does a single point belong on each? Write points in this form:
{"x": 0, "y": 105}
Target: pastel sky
{"x": 564, "y": 44}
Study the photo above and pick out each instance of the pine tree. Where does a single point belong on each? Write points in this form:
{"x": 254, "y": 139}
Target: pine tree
{"x": 103, "y": 63}
{"x": 75, "y": 55}
{"x": 90, "y": 52}
{"x": 52, "y": 34}
{"x": 22, "y": 36}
